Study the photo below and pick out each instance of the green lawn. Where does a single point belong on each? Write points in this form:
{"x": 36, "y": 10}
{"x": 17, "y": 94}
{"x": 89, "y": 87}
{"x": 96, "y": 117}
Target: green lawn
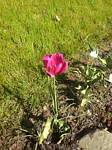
{"x": 31, "y": 28}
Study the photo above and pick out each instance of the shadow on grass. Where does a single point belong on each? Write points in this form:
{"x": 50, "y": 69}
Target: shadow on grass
{"x": 27, "y": 116}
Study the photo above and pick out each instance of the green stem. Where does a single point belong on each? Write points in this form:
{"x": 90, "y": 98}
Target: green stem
{"x": 55, "y": 103}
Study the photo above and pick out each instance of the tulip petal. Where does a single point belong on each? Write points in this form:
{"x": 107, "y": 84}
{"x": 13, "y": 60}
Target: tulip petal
{"x": 58, "y": 68}
{"x": 64, "y": 67}
{"x": 46, "y": 59}
{"x": 57, "y": 58}
{"x": 55, "y": 64}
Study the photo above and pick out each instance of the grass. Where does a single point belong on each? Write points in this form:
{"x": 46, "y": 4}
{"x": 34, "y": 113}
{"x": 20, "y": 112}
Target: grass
{"x": 28, "y": 30}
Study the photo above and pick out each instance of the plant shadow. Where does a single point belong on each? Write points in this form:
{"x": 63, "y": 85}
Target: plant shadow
{"x": 67, "y": 88}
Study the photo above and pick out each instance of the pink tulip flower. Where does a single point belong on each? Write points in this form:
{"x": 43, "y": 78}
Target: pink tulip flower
{"x": 55, "y": 64}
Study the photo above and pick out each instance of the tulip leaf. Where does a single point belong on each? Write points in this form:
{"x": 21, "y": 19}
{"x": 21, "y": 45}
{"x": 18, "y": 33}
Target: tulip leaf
{"x": 84, "y": 102}
{"x": 47, "y": 128}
